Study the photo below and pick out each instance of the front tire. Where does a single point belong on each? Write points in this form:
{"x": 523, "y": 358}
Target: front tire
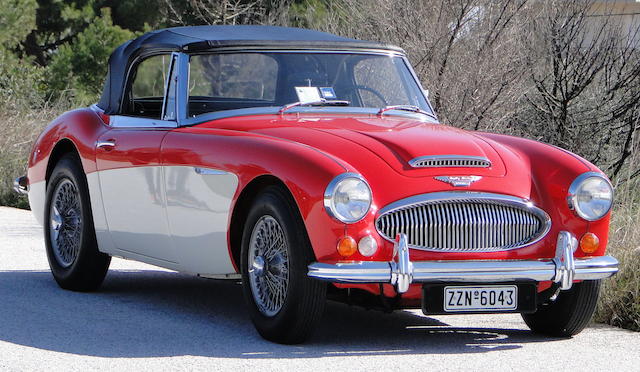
{"x": 284, "y": 303}
{"x": 69, "y": 234}
{"x": 569, "y": 314}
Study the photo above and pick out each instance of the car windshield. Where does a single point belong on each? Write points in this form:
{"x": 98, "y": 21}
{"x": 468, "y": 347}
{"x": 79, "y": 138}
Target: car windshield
{"x": 230, "y": 81}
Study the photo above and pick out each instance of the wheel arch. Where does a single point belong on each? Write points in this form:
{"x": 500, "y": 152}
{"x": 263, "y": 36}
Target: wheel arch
{"x": 242, "y": 206}
{"x": 62, "y": 147}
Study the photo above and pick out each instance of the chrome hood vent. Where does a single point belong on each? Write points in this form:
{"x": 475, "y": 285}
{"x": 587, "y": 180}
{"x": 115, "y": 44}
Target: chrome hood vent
{"x": 450, "y": 161}
{"x": 464, "y": 222}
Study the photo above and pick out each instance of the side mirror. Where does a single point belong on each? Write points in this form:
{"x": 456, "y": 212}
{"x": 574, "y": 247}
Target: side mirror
{"x": 426, "y": 92}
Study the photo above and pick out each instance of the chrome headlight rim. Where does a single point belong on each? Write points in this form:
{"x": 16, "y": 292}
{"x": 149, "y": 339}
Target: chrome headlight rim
{"x": 573, "y": 195}
{"x": 331, "y": 189}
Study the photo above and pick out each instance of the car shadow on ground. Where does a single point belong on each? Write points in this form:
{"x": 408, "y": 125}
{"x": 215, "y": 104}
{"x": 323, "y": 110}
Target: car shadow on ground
{"x": 158, "y": 313}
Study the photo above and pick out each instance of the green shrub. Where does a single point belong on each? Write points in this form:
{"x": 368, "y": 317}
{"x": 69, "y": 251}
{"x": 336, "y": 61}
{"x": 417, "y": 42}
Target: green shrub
{"x": 18, "y": 131}
{"x": 619, "y": 303}
{"x": 80, "y": 67}
{"x": 17, "y": 20}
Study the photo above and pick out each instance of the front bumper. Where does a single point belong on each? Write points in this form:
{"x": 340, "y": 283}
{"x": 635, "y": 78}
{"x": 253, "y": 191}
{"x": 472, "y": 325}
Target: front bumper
{"x": 401, "y": 272}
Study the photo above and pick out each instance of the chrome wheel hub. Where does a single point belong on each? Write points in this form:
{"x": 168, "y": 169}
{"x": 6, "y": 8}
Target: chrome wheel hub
{"x": 268, "y": 261}
{"x": 65, "y": 223}
{"x": 258, "y": 266}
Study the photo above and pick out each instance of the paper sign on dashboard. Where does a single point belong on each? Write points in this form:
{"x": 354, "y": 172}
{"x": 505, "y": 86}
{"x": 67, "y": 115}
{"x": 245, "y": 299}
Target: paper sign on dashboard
{"x": 308, "y": 94}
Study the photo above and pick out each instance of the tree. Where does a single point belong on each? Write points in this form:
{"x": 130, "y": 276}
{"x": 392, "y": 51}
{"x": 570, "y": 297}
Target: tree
{"x": 81, "y": 66}
{"x": 585, "y": 76}
{"x": 20, "y": 81}
{"x": 17, "y": 20}
{"x": 465, "y": 51}
{"x": 58, "y": 22}
{"x": 226, "y": 12}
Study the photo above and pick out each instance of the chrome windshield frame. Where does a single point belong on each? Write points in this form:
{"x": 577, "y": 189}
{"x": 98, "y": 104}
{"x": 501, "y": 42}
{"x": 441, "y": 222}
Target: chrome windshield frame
{"x": 182, "y": 97}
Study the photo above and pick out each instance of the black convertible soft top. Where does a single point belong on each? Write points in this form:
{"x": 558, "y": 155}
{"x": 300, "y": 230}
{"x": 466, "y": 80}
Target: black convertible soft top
{"x": 202, "y": 38}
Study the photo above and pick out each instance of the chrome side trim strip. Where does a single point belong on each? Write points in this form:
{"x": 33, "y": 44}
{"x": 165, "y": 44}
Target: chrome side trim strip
{"x": 122, "y": 121}
{"x": 401, "y": 271}
{"x": 209, "y": 171}
{"x": 232, "y": 276}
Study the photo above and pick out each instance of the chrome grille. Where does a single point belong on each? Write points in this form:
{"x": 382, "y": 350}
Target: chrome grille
{"x": 450, "y": 161}
{"x": 464, "y": 222}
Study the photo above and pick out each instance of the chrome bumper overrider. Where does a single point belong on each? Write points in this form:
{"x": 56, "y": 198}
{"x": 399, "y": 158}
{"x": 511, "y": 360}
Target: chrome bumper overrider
{"x": 401, "y": 271}
{"x": 21, "y": 185}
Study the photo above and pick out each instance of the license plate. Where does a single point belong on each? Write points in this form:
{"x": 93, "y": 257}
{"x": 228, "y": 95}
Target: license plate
{"x": 480, "y": 298}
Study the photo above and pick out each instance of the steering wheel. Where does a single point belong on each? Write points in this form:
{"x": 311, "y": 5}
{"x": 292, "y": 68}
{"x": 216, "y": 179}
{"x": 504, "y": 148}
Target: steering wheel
{"x": 379, "y": 95}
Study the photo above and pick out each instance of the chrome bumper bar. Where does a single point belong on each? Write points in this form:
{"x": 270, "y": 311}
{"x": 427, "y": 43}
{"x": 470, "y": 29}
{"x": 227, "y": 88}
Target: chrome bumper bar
{"x": 401, "y": 271}
{"x": 21, "y": 185}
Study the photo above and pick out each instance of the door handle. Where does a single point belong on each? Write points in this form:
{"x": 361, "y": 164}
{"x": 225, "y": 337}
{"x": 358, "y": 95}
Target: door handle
{"x": 107, "y": 145}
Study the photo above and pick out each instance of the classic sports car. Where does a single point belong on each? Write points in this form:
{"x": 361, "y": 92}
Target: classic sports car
{"x": 312, "y": 166}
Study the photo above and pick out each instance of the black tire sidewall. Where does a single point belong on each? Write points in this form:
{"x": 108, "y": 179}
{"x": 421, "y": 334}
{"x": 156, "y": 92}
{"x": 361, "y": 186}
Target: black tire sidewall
{"x": 79, "y": 274}
{"x": 275, "y": 203}
{"x": 569, "y": 314}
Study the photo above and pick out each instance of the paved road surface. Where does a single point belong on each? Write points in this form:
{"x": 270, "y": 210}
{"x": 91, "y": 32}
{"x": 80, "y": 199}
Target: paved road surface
{"x": 146, "y": 318}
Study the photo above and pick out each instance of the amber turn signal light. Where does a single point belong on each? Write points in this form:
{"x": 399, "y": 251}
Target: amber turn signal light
{"x": 347, "y": 246}
{"x": 589, "y": 243}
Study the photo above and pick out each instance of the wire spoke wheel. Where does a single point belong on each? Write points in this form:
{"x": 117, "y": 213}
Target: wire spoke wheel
{"x": 268, "y": 264}
{"x": 65, "y": 228}
{"x": 283, "y": 302}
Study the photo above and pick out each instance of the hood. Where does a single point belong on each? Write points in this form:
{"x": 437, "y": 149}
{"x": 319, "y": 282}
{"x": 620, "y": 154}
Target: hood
{"x": 395, "y": 140}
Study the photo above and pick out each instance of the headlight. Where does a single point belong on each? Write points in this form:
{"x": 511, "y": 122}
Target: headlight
{"x": 348, "y": 198}
{"x": 590, "y": 196}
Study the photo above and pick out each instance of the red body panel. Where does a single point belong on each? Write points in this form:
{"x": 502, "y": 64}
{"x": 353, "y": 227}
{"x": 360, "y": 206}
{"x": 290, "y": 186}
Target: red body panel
{"x": 307, "y": 151}
{"x": 82, "y": 127}
{"x": 133, "y": 148}
{"x": 535, "y": 171}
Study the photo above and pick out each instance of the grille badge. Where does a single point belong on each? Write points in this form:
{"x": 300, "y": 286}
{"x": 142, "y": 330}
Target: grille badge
{"x": 459, "y": 181}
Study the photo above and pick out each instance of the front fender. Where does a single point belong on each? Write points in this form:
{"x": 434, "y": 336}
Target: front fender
{"x": 553, "y": 170}
{"x": 305, "y": 171}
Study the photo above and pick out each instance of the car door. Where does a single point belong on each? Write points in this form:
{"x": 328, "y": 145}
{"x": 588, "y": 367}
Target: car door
{"x": 199, "y": 187}
{"x": 129, "y": 164}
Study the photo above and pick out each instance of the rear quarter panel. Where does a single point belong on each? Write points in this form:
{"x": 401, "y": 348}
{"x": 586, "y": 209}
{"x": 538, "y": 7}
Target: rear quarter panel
{"x": 80, "y": 128}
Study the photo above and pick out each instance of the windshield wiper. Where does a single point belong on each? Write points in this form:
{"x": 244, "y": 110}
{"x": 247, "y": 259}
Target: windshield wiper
{"x": 411, "y": 108}
{"x": 322, "y": 102}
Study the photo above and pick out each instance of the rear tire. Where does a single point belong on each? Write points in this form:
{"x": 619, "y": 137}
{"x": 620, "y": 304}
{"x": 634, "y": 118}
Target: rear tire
{"x": 69, "y": 234}
{"x": 284, "y": 303}
{"x": 569, "y": 314}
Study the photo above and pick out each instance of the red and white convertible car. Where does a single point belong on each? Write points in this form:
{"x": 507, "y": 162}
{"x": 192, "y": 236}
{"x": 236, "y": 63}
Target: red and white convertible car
{"x": 312, "y": 166}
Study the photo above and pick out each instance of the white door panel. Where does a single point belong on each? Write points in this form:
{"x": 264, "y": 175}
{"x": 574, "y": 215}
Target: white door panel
{"x": 134, "y": 206}
{"x": 105, "y": 243}
{"x": 198, "y": 209}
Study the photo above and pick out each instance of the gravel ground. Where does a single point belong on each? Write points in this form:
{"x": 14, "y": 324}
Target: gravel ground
{"x": 146, "y": 318}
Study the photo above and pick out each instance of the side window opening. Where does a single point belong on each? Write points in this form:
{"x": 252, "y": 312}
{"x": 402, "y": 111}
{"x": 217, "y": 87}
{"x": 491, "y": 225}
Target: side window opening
{"x": 147, "y": 87}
